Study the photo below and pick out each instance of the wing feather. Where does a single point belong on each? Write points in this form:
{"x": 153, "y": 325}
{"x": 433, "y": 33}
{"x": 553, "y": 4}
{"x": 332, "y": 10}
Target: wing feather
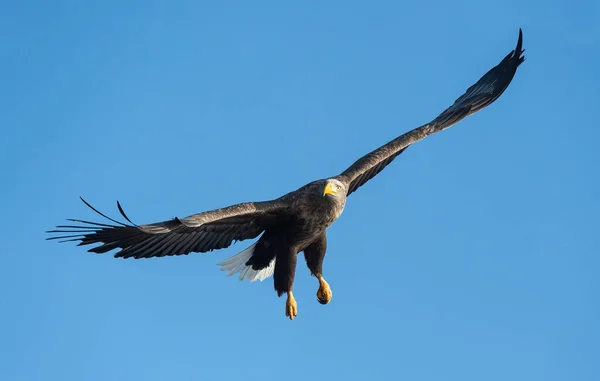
{"x": 201, "y": 232}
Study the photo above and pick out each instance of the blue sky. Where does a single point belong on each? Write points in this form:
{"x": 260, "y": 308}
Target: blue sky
{"x": 474, "y": 256}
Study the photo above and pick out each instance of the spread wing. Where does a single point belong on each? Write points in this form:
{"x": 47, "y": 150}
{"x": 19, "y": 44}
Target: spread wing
{"x": 481, "y": 94}
{"x": 202, "y": 232}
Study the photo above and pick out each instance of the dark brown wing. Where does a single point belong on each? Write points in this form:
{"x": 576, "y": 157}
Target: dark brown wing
{"x": 202, "y": 232}
{"x": 365, "y": 176}
{"x": 481, "y": 94}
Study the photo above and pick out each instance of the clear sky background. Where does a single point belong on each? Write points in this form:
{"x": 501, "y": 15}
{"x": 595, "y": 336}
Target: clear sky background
{"x": 474, "y": 256}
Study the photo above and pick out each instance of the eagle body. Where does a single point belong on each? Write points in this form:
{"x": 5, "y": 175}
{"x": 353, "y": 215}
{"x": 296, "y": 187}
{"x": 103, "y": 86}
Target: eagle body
{"x": 301, "y": 228}
{"x": 293, "y": 223}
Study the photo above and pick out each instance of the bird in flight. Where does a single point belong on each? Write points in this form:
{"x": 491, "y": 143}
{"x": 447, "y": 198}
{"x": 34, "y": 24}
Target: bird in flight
{"x": 293, "y": 223}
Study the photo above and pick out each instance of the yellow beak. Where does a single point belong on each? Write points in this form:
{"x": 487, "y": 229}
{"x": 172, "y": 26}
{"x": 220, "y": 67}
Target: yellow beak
{"x": 329, "y": 189}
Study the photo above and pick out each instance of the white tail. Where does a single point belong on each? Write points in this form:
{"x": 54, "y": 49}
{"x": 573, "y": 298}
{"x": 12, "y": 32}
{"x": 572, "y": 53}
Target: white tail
{"x": 237, "y": 263}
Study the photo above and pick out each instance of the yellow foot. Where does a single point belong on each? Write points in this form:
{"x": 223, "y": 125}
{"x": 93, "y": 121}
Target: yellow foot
{"x": 324, "y": 293}
{"x": 291, "y": 308}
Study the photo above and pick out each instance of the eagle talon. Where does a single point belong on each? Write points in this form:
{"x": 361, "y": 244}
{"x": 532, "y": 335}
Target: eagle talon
{"x": 324, "y": 293}
{"x": 291, "y": 308}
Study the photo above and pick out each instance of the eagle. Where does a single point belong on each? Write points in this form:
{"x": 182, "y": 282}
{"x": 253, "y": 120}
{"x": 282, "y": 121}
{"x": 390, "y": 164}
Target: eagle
{"x": 293, "y": 223}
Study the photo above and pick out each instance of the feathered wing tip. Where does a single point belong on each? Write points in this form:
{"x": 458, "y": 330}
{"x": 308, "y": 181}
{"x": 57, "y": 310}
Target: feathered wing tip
{"x": 518, "y": 52}
{"x": 87, "y": 228}
{"x": 237, "y": 263}
{"x": 515, "y": 56}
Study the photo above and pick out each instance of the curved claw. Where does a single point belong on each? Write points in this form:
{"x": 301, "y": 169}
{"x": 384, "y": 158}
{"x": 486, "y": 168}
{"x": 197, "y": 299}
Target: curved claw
{"x": 323, "y": 300}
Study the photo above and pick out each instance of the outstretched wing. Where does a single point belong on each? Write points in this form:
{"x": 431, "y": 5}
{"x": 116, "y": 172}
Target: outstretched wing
{"x": 202, "y": 232}
{"x": 481, "y": 94}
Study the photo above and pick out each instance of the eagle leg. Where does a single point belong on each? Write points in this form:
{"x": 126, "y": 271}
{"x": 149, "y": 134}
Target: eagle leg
{"x": 324, "y": 292}
{"x": 314, "y": 255}
{"x": 291, "y": 308}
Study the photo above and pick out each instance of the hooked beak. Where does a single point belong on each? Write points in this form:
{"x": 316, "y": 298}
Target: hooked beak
{"x": 329, "y": 189}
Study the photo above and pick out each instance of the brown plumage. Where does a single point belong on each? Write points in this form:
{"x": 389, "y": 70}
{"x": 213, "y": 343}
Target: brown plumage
{"x": 296, "y": 222}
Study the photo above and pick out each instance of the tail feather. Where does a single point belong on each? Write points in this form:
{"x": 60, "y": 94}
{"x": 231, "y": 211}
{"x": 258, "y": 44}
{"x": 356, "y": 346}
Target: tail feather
{"x": 237, "y": 263}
